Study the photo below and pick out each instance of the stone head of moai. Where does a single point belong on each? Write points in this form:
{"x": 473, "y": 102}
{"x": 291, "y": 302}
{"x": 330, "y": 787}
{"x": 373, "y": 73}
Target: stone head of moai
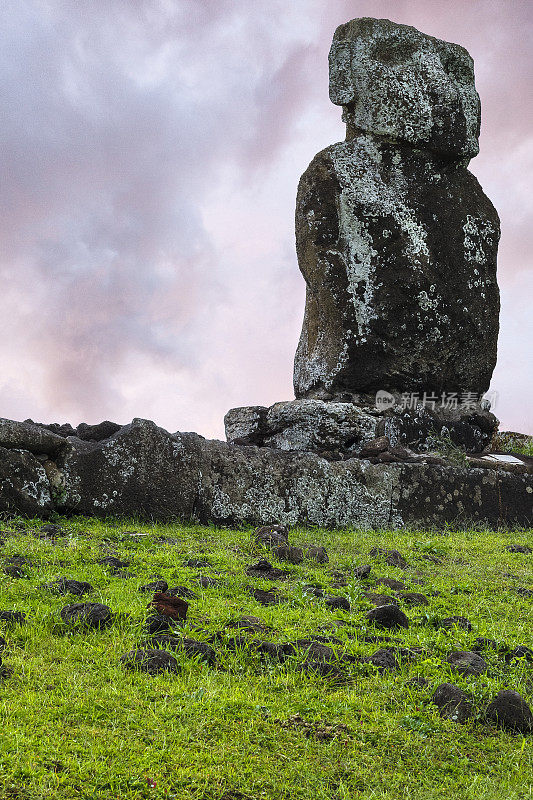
{"x": 394, "y": 81}
{"x": 395, "y": 238}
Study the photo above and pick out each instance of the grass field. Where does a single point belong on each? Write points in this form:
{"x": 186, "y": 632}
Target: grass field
{"x": 77, "y": 724}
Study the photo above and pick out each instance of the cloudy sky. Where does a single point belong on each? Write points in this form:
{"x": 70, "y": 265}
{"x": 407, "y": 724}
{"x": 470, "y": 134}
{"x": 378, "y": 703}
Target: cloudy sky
{"x": 149, "y": 156}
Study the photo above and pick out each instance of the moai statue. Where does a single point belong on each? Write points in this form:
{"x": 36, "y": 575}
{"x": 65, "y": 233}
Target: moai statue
{"x": 395, "y": 238}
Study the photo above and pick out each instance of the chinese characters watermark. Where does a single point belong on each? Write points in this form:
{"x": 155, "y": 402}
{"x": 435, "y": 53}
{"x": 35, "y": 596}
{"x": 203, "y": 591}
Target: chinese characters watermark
{"x": 449, "y": 401}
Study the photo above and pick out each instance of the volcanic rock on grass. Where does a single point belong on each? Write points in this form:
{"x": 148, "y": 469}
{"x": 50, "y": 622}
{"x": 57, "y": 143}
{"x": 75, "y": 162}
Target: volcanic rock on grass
{"x": 149, "y": 660}
{"x": 115, "y": 564}
{"x": 334, "y": 603}
{"x": 523, "y": 592}
{"x": 391, "y": 557}
{"x": 388, "y": 616}
{"x": 519, "y": 548}
{"x": 157, "y": 623}
{"x": 182, "y": 591}
{"x": 391, "y": 583}
{"x": 191, "y": 647}
{"x": 452, "y": 703}
{"x": 154, "y": 586}
{"x": 361, "y": 572}
{"x": 68, "y": 586}
{"x": 249, "y": 624}
{"x": 413, "y": 598}
{"x": 87, "y": 615}
{"x": 13, "y": 617}
{"x": 454, "y": 622}
{"x": 197, "y": 563}
{"x": 315, "y": 651}
{"x": 324, "y": 669}
{"x": 278, "y": 652}
{"x": 389, "y": 658}
{"x": 285, "y": 552}
{"x": 381, "y": 599}
{"x": 522, "y": 651}
{"x": 484, "y": 643}
{"x": 206, "y": 581}
{"x": 169, "y": 606}
{"x": 267, "y": 598}
{"x": 509, "y": 710}
{"x": 14, "y": 571}
{"x": 271, "y": 535}
{"x": 467, "y": 662}
{"x": 264, "y": 569}
{"x": 316, "y": 553}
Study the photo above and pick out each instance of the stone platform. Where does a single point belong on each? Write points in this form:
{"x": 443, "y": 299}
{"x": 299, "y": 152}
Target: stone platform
{"x": 144, "y": 471}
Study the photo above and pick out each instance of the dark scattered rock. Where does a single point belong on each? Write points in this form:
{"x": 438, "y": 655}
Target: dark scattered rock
{"x": 87, "y": 615}
{"x": 523, "y": 592}
{"x": 2, "y": 643}
{"x": 418, "y": 682}
{"x": 182, "y": 591}
{"x": 13, "y": 571}
{"x": 391, "y": 583}
{"x": 191, "y": 647}
{"x": 519, "y": 548}
{"x": 286, "y": 552}
{"x": 113, "y": 563}
{"x": 452, "y": 703}
{"x": 271, "y": 535}
{"x": 454, "y": 622}
{"x": 206, "y": 581}
{"x": 154, "y": 586}
{"x": 156, "y": 623}
{"x": 510, "y": 711}
{"x": 389, "y": 658}
{"x": 315, "y": 651}
{"x": 249, "y": 625}
{"x": 388, "y": 616}
{"x": 361, "y": 572}
{"x": 50, "y": 530}
{"x": 520, "y": 652}
{"x": 266, "y": 598}
{"x": 149, "y": 660}
{"x": 13, "y": 617}
{"x": 316, "y": 591}
{"x": 334, "y": 603}
{"x": 30, "y": 437}
{"x": 170, "y": 606}
{"x": 18, "y": 561}
{"x": 413, "y": 598}
{"x": 278, "y": 652}
{"x": 391, "y": 557}
{"x": 68, "y": 586}
{"x": 324, "y": 669}
{"x": 264, "y": 569}
{"x": 316, "y": 553}
{"x": 482, "y": 643}
{"x": 381, "y": 599}
{"x": 467, "y": 662}
{"x": 197, "y": 563}
{"x": 97, "y": 433}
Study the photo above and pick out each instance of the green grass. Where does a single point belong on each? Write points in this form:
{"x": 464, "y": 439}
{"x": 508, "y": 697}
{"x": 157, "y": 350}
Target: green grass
{"x": 76, "y": 724}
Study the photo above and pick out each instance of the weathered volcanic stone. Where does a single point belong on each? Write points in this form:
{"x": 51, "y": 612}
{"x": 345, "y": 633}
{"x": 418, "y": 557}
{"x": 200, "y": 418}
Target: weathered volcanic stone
{"x": 388, "y": 616}
{"x": 510, "y": 710}
{"x": 29, "y": 436}
{"x": 452, "y": 703}
{"x": 24, "y": 487}
{"x": 395, "y": 238}
{"x": 87, "y": 615}
{"x": 149, "y": 660}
